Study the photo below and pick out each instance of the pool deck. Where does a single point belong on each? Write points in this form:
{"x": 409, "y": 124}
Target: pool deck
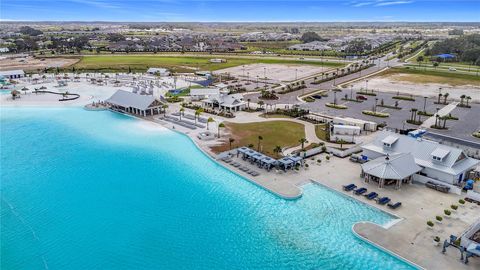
{"x": 409, "y": 238}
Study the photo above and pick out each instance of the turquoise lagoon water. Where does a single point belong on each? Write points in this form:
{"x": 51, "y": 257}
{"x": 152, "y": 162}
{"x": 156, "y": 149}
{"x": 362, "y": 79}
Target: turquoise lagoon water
{"x": 99, "y": 190}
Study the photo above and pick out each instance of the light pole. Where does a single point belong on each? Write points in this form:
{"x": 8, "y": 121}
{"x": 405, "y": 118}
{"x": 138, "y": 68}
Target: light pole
{"x": 424, "y": 104}
{"x": 265, "y": 73}
{"x": 366, "y": 86}
{"x": 295, "y": 74}
{"x": 351, "y": 91}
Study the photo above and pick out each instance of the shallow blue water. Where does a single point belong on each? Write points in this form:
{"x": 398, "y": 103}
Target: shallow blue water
{"x": 98, "y": 190}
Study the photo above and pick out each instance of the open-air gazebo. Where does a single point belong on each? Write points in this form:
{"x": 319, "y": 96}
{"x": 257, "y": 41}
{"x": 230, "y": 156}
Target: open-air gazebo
{"x": 268, "y": 163}
{"x": 285, "y": 163}
{"x": 387, "y": 170}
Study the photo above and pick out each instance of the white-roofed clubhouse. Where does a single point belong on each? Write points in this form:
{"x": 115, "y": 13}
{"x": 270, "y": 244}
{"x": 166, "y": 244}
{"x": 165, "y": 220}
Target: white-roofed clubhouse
{"x": 129, "y": 102}
{"x": 438, "y": 162}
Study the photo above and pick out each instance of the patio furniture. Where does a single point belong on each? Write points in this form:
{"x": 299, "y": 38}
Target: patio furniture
{"x": 349, "y": 187}
{"x": 383, "y": 200}
{"x": 372, "y": 195}
{"x": 360, "y": 191}
{"x": 395, "y": 205}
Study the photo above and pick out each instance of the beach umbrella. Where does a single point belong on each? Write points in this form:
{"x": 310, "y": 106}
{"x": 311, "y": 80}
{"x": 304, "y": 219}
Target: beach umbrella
{"x": 43, "y": 87}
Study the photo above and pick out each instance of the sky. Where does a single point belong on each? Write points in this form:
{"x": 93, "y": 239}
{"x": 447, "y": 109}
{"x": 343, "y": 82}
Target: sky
{"x": 241, "y": 11}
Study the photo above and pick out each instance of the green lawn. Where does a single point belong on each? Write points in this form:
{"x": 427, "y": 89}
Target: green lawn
{"x": 108, "y": 63}
{"x": 321, "y": 132}
{"x": 432, "y": 76}
{"x": 282, "y": 133}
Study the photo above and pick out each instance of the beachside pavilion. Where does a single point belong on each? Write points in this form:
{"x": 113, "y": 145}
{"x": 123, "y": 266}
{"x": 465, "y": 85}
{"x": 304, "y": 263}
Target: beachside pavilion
{"x": 266, "y": 162}
{"x": 391, "y": 170}
{"x": 129, "y": 102}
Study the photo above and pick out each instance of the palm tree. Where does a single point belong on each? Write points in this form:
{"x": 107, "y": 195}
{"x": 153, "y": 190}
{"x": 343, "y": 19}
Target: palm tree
{"x": 439, "y": 96}
{"x": 164, "y": 107}
{"x": 220, "y": 125}
{"x": 302, "y": 141}
{"x": 444, "y": 118}
{"x": 277, "y": 150}
{"x": 230, "y": 141}
{"x": 462, "y": 97}
{"x": 209, "y": 120}
{"x": 260, "y": 138}
{"x": 261, "y": 103}
{"x": 181, "y": 112}
{"x": 468, "y": 98}
{"x": 445, "y": 96}
{"x": 197, "y": 114}
{"x": 341, "y": 142}
{"x": 248, "y": 103}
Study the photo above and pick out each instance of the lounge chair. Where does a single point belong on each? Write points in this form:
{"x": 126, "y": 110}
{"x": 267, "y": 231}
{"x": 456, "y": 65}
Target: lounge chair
{"x": 394, "y": 206}
{"x": 254, "y": 173}
{"x": 383, "y": 200}
{"x": 360, "y": 191}
{"x": 372, "y": 195}
{"x": 349, "y": 187}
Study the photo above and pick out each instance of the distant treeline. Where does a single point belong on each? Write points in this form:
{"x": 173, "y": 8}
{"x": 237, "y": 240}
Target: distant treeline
{"x": 465, "y": 48}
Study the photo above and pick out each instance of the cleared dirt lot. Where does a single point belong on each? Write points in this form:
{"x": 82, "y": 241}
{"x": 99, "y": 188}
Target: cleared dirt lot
{"x": 277, "y": 72}
{"x": 31, "y": 63}
{"x": 399, "y": 83}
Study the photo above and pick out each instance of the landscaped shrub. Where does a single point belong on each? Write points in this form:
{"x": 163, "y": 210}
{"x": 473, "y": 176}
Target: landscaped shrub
{"x": 404, "y": 98}
{"x": 430, "y": 223}
{"x": 461, "y": 201}
{"x": 439, "y": 218}
{"x": 447, "y": 212}
{"x": 336, "y": 106}
{"x": 376, "y": 114}
{"x": 454, "y": 207}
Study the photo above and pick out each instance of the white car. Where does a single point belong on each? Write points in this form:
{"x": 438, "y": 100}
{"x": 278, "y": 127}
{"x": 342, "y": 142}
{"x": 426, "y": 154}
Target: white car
{"x": 452, "y": 69}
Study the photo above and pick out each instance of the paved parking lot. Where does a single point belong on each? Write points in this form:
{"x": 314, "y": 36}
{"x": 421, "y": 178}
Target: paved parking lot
{"x": 463, "y": 128}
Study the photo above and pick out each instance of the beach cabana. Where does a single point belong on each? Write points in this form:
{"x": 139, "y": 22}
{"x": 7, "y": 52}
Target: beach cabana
{"x": 285, "y": 163}
{"x": 297, "y": 160}
{"x": 242, "y": 150}
{"x": 268, "y": 163}
{"x": 257, "y": 158}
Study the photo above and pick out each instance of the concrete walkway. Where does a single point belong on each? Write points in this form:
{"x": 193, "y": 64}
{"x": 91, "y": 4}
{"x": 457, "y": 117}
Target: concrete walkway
{"x": 442, "y": 112}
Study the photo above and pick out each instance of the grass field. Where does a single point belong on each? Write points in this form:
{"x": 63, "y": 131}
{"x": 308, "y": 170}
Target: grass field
{"x": 321, "y": 132}
{"x": 108, "y": 63}
{"x": 431, "y": 76}
{"x": 282, "y": 133}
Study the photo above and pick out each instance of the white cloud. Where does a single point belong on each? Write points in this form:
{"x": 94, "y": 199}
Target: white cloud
{"x": 391, "y": 3}
{"x": 379, "y": 3}
{"x": 97, "y": 3}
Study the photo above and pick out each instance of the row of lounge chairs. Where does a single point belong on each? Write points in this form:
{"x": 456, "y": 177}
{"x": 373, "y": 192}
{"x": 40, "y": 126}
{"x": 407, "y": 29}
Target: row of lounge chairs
{"x": 182, "y": 123}
{"x": 191, "y": 117}
{"x": 371, "y": 196}
{"x": 235, "y": 164}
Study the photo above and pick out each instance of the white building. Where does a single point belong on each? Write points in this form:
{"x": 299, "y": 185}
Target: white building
{"x": 158, "y": 71}
{"x": 440, "y": 163}
{"x": 230, "y": 103}
{"x": 203, "y": 93}
{"x": 128, "y": 102}
{"x": 364, "y": 125}
{"x": 218, "y": 60}
{"x": 344, "y": 132}
{"x": 13, "y": 74}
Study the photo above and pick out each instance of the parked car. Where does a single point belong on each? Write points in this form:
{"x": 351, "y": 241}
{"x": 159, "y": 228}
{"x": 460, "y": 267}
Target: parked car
{"x": 452, "y": 69}
{"x": 357, "y": 158}
{"x": 361, "y": 97}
